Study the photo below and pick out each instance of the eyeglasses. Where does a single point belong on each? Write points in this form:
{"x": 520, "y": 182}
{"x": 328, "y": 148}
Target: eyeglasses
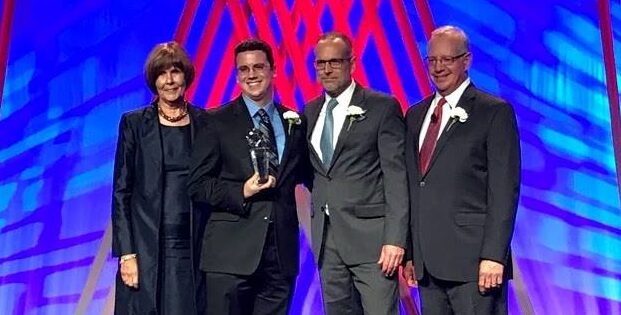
{"x": 336, "y": 63}
{"x": 445, "y": 61}
{"x": 244, "y": 70}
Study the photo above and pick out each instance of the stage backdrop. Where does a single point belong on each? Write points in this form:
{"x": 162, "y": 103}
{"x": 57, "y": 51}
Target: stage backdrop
{"x": 74, "y": 67}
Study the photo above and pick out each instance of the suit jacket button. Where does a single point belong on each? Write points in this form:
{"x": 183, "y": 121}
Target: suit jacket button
{"x": 422, "y": 184}
{"x": 265, "y": 218}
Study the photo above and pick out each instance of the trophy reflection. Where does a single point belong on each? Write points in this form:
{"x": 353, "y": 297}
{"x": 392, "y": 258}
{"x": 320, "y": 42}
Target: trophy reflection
{"x": 259, "y": 154}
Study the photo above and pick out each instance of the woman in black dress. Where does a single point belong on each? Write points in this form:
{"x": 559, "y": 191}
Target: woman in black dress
{"x": 156, "y": 229}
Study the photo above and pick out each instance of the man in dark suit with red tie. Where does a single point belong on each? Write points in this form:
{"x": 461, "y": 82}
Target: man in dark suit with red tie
{"x": 463, "y": 166}
{"x": 250, "y": 247}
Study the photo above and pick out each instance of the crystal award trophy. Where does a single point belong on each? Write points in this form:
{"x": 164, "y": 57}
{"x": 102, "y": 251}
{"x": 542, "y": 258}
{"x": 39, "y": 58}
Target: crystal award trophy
{"x": 259, "y": 154}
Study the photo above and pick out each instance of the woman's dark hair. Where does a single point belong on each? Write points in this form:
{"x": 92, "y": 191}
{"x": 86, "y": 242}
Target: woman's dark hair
{"x": 164, "y": 56}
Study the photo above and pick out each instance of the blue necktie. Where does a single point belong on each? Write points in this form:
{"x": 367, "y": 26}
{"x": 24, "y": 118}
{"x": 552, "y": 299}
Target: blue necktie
{"x": 265, "y": 126}
{"x": 327, "y": 134}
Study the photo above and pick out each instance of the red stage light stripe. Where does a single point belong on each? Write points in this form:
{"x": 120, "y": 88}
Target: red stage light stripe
{"x": 308, "y": 12}
{"x": 300, "y": 75}
{"x": 187, "y": 17}
{"x": 360, "y": 44}
{"x": 305, "y": 12}
{"x": 216, "y": 94}
{"x": 339, "y": 17}
{"x": 311, "y": 18}
{"x": 412, "y": 48}
{"x": 426, "y": 18}
{"x": 205, "y": 42}
{"x": 341, "y": 24}
{"x": 281, "y": 82}
{"x": 384, "y": 50}
{"x": 605, "y": 25}
{"x": 5, "y": 34}
{"x": 241, "y": 20}
{"x": 241, "y": 30}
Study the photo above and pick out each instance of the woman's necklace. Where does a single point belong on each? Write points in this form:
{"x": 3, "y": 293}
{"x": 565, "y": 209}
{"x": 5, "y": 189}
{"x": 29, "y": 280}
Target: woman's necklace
{"x": 174, "y": 119}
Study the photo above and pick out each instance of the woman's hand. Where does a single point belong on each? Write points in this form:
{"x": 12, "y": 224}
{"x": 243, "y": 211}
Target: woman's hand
{"x": 129, "y": 272}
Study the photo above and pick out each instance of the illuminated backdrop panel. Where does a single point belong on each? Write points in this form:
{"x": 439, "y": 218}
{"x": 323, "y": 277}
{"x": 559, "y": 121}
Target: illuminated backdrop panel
{"x": 75, "y": 66}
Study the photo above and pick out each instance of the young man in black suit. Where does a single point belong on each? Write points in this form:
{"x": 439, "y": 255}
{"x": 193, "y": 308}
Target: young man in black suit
{"x": 360, "y": 202}
{"x": 463, "y": 166}
{"x": 250, "y": 247}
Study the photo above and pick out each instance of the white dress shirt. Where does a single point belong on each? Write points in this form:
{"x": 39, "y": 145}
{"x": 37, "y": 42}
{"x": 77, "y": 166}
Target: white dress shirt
{"x": 451, "y": 102}
{"x": 338, "y": 114}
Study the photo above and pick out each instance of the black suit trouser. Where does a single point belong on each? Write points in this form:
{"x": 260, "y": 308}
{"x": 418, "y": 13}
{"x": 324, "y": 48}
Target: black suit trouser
{"x": 441, "y": 297}
{"x": 267, "y": 291}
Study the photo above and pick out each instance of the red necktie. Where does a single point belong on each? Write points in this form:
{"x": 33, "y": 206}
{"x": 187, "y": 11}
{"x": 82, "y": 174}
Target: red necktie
{"x": 429, "y": 144}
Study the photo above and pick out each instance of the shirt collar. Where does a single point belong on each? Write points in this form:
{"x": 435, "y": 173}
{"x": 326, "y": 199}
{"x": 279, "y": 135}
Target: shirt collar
{"x": 453, "y": 98}
{"x": 253, "y": 107}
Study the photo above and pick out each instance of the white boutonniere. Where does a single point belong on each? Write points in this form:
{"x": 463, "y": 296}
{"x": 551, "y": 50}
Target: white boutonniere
{"x": 457, "y": 114}
{"x": 292, "y": 118}
{"x": 354, "y": 113}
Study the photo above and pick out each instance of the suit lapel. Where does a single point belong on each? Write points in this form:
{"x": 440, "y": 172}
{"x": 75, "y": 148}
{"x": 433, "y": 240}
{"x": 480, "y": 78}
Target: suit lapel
{"x": 465, "y": 102}
{"x": 195, "y": 115}
{"x": 242, "y": 123}
{"x": 242, "y": 114}
{"x": 357, "y": 99}
{"x": 288, "y": 138}
{"x": 151, "y": 137}
{"x": 314, "y": 109}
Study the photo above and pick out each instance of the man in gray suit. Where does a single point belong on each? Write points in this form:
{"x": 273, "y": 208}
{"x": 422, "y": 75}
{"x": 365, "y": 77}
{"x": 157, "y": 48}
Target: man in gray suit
{"x": 359, "y": 216}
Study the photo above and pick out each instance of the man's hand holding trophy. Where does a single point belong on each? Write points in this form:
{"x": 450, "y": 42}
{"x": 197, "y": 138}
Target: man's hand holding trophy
{"x": 259, "y": 154}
